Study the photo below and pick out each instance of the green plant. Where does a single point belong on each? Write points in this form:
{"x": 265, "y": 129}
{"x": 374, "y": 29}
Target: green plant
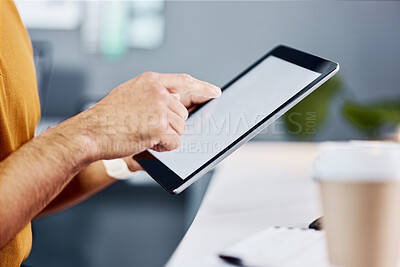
{"x": 370, "y": 118}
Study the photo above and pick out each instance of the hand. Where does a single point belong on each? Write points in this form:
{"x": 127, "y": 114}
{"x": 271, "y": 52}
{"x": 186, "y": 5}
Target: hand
{"x": 191, "y": 101}
{"x": 142, "y": 113}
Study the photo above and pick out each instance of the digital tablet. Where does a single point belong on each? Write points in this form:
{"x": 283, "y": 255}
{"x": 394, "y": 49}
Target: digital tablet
{"x": 249, "y": 103}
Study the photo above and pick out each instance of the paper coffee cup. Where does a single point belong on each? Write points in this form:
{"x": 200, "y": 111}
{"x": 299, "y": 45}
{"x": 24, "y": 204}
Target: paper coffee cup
{"x": 360, "y": 190}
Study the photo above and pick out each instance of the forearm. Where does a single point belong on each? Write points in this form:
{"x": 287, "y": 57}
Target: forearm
{"x": 33, "y": 175}
{"x": 88, "y": 182}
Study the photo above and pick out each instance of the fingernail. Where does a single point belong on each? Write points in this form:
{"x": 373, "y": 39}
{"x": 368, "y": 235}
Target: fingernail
{"x": 216, "y": 90}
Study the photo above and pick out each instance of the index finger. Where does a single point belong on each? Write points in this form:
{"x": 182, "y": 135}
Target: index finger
{"x": 184, "y": 83}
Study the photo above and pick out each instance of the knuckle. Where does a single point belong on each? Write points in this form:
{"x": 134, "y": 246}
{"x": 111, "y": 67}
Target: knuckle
{"x": 158, "y": 103}
{"x": 158, "y": 107}
{"x": 157, "y": 96}
{"x": 158, "y": 131}
{"x": 157, "y": 90}
{"x": 188, "y": 79}
{"x": 159, "y": 100}
{"x": 163, "y": 123}
{"x": 149, "y": 75}
{"x": 161, "y": 92}
{"x": 205, "y": 87}
{"x": 161, "y": 112}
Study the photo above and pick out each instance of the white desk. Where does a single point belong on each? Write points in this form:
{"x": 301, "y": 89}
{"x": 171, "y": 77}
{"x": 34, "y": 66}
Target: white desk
{"x": 260, "y": 185}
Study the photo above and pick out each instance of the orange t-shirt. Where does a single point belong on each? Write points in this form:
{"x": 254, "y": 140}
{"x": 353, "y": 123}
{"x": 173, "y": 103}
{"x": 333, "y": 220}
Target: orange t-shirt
{"x": 19, "y": 109}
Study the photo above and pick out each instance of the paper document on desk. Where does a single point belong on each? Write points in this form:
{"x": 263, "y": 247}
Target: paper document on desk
{"x": 280, "y": 247}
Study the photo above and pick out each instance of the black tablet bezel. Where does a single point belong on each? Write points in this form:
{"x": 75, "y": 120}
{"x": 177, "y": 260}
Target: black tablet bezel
{"x": 171, "y": 181}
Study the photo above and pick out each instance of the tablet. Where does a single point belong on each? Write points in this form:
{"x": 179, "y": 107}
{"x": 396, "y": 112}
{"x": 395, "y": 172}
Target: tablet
{"x": 249, "y": 103}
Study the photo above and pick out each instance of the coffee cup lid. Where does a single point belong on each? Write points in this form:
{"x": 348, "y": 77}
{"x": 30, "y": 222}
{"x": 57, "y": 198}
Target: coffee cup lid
{"x": 359, "y": 161}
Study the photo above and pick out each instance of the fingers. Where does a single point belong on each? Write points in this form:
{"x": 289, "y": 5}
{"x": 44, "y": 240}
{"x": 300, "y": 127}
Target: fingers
{"x": 170, "y": 141}
{"x": 195, "y": 99}
{"x": 184, "y": 83}
{"x": 171, "y": 138}
{"x": 191, "y": 101}
{"x": 176, "y": 106}
{"x": 176, "y": 117}
{"x": 176, "y": 122}
{"x": 165, "y": 98}
{"x": 177, "y": 96}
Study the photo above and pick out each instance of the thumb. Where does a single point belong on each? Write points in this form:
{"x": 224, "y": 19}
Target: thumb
{"x": 132, "y": 164}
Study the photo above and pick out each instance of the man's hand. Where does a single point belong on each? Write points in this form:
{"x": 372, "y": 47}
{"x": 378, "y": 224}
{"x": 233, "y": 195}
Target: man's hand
{"x": 143, "y": 113}
{"x": 190, "y": 101}
{"x": 140, "y": 114}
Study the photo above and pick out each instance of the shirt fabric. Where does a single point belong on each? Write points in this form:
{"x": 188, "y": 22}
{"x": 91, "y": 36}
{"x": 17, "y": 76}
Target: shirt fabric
{"x": 19, "y": 109}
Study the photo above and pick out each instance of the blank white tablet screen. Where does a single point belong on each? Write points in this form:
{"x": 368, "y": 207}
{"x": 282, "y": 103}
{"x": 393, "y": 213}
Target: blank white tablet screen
{"x": 241, "y": 106}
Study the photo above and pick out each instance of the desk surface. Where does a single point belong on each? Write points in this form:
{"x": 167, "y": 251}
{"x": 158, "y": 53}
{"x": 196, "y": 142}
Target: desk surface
{"x": 260, "y": 185}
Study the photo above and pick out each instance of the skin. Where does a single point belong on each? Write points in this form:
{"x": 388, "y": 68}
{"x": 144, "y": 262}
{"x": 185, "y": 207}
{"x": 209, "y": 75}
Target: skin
{"x": 61, "y": 167}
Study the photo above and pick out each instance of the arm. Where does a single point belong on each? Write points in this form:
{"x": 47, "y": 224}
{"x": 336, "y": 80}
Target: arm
{"x": 94, "y": 178}
{"x": 33, "y": 175}
{"x": 135, "y": 116}
{"x": 88, "y": 182}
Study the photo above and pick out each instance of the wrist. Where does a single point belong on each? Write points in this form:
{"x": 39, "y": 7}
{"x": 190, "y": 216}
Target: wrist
{"x": 78, "y": 140}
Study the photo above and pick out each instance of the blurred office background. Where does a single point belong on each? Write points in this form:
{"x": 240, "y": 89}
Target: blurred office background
{"x": 84, "y": 49}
